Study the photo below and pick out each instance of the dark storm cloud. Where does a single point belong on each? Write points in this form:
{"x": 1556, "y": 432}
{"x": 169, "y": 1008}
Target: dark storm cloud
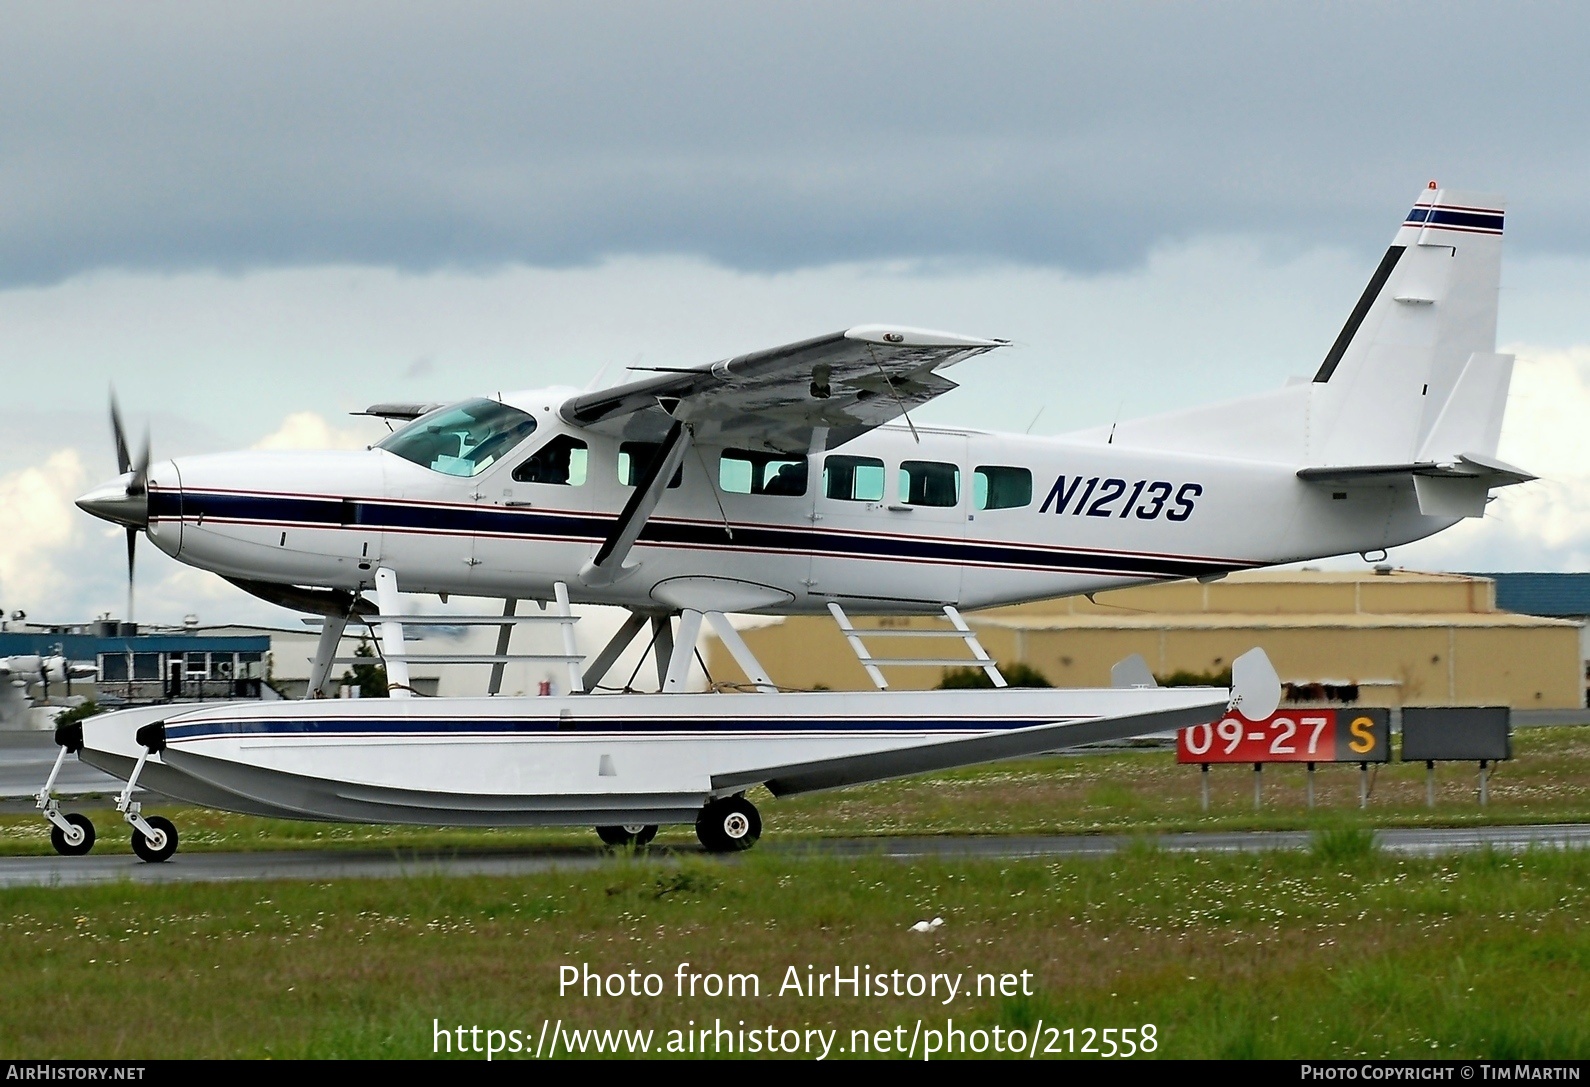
{"x": 764, "y": 136}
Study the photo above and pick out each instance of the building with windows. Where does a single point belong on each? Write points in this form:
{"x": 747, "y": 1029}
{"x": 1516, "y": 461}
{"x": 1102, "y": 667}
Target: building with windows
{"x": 138, "y": 665}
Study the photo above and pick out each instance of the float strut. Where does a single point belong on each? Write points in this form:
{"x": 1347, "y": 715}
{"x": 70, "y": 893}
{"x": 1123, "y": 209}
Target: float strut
{"x": 153, "y": 739}
{"x": 51, "y": 807}
{"x": 620, "y": 641}
{"x": 504, "y": 633}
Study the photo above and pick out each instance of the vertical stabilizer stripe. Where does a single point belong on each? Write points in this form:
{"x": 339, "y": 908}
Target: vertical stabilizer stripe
{"x": 1376, "y": 283}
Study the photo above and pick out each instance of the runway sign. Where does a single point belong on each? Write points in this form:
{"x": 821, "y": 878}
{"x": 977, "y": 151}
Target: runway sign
{"x": 1290, "y": 736}
{"x": 1456, "y": 733}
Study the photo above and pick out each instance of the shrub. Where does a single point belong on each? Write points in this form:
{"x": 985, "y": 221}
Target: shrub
{"x": 1017, "y": 675}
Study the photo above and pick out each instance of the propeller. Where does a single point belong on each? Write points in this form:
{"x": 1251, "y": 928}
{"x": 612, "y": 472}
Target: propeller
{"x": 137, "y": 487}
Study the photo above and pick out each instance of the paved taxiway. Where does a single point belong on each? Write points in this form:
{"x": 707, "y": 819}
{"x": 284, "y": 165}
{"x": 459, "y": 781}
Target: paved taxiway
{"x": 112, "y": 867}
{"x": 25, "y": 761}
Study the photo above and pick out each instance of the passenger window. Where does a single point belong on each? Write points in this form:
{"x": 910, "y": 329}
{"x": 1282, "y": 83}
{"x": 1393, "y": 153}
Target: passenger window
{"x": 562, "y": 460}
{"x": 633, "y": 458}
{"x": 741, "y": 471}
{"x": 998, "y": 488}
{"x": 853, "y": 479}
{"x": 929, "y": 483}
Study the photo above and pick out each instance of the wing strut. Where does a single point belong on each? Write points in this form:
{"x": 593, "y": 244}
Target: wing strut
{"x": 608, "y": 565}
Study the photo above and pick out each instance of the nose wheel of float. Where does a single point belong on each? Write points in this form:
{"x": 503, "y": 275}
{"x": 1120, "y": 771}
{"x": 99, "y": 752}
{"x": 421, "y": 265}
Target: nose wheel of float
{"x": 729, "y": 825}
{"x": 630, "y": 835}
{"x": 72, "y": 834}
{"x": 154, "y": 839}
{"x": 76, "y": 839}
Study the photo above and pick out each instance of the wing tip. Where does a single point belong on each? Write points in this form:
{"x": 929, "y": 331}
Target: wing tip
{"x": 906, "y": 336}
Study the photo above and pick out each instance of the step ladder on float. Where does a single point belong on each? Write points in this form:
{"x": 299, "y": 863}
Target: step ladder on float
{"x": 873, "y": 664}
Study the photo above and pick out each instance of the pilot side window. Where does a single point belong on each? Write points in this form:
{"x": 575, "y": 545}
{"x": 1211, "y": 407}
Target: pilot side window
{"x": 999, "y": 488}
{"x": 462, "y": 440}
{"x": 633, "y": 458}
{"x": 929, "y": 483}
{"x": 742, "y": 471}
{"x": 853, "y": 479}
{"x": 561, "y": 461}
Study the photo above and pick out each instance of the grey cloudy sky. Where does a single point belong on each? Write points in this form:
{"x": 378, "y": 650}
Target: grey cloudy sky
{"x": 764, "y": 136}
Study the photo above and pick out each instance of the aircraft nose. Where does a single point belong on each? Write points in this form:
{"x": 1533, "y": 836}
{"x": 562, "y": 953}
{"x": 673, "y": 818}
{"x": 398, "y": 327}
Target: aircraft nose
{"x": 114, "y": 502}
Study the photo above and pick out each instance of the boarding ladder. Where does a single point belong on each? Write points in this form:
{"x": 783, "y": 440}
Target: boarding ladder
{"x": 873, "y": 664}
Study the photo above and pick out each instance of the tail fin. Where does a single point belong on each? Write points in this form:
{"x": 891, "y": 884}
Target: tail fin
{"x": 1421, "y": 337}
{"x": 1412, "y": 376}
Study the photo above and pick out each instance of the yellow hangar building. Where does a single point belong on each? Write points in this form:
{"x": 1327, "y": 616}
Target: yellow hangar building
{"x": 1379, "y": 637}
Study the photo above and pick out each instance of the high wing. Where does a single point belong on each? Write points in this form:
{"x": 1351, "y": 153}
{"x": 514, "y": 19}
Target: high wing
{"x": 848, "y": 382}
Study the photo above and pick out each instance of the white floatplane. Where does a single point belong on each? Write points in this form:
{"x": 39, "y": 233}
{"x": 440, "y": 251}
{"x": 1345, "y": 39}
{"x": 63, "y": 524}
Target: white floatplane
{"x": 778, "y": 483}
{"x": 623, "y": 763}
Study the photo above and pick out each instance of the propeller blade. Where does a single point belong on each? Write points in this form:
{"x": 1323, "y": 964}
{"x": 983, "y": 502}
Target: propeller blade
{"x": 138, "y": 485}
{"x": 140, "y": 479}
{"x": 123, "y": 459}
{"x": 132, "y": 551}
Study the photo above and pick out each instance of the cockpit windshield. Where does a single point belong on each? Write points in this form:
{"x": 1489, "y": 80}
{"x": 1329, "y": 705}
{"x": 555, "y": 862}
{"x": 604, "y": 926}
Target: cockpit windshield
{"x": 461, "y": 440}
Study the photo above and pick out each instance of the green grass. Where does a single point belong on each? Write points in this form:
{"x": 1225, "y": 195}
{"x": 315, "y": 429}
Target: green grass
{"x": 1129, "y": 792}
{"x": 1340, "y": 951}
{"x": 1135, "y": 792}
{"x": 1335, "y": 951}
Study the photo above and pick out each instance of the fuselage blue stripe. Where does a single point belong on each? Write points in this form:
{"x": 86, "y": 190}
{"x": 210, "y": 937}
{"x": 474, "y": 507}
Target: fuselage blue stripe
{"x": 291, "y": 511}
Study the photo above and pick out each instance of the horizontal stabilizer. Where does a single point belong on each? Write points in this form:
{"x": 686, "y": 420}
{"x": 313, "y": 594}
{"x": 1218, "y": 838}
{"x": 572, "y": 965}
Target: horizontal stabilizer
{"x": 1458, "y": 488}
{"x": 1467, "y": 465}
{"x": 1132, "y": 671}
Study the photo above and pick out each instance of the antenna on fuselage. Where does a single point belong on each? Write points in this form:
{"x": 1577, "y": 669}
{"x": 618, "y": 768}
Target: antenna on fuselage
{"x": 601, "y": 372}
